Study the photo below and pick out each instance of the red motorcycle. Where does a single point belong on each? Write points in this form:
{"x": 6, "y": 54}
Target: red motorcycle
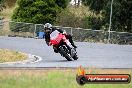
{"x": 63, "y": 46}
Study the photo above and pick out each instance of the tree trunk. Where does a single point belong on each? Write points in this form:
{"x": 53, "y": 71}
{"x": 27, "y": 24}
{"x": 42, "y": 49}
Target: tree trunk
{"x": 129, "y": 26}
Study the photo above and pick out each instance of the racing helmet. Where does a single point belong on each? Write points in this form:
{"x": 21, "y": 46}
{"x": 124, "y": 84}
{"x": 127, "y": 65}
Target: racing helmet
{"x": 48, "y": 26}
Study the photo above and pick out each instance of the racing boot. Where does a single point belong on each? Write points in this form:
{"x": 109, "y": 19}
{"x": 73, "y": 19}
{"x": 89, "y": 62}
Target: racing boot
{"x": 74, "y": 45}
{"x": 55, "y": 50}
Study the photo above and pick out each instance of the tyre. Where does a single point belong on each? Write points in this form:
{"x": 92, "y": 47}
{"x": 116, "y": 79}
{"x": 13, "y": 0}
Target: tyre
{"x": 68, "y": 57}
{"x": 75, "y": 57}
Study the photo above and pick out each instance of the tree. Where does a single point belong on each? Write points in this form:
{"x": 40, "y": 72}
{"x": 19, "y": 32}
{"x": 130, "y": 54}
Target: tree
{"x": 62, "y": 3}
{"x": 95, "y": 21}
{"x": 2, "y": 5}
{"x": 95, "y": 5}
{"x": 121, "y": 16}
{"x": 69, "y": 19}
{"x": 38, "y": 11}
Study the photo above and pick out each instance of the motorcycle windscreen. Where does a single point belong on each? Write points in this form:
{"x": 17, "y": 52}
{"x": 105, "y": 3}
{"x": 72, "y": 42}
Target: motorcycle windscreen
{"x": 55, "y": 37}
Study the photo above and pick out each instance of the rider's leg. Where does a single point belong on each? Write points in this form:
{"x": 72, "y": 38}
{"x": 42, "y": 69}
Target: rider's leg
{"x": 70, "y": 40}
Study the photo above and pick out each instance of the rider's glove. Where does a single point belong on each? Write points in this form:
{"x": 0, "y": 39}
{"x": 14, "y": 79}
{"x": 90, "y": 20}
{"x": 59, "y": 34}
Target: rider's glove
{"x": 50, "y": 44}
{"x": 64, "y": 32}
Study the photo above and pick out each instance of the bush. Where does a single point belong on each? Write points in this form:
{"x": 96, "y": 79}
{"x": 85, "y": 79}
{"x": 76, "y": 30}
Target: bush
{"x": 94, "y": 22}
{"x": 69, "y": 19}
{"x": 2, "y": 5}
{"x": 37, "y": 11}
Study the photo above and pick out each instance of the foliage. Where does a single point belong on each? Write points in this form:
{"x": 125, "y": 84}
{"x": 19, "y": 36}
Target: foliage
{"x": 35, "y": 11}
{"x": 94, "y": 22}
{"x": 62, "y": 3}
{"x": 73, "y": 17}
{"x": 95, "y": 5}
{"x": 121, "y": 16}
{"x": 2, "y": 5}
{"x": 38, "y": 11}
{"x": 67, "y": 18}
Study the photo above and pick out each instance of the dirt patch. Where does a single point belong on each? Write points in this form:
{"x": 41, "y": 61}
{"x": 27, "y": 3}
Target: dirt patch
{"x": 11, "y": 56}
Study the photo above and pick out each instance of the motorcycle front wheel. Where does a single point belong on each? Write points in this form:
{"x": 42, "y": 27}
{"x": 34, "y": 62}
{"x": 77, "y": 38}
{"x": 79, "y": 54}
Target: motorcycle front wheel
{"x": 75, "y": 57}
{"x": 66, "y": 55}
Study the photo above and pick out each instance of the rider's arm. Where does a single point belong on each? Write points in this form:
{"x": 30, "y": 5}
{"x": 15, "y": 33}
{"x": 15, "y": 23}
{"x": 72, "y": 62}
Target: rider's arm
{"x": 47, "y": 38}
{"x": 60, "y": 30}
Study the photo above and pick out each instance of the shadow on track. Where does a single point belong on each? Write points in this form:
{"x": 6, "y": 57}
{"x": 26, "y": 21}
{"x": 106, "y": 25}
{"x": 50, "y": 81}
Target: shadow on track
{"x": 57, "y": 61}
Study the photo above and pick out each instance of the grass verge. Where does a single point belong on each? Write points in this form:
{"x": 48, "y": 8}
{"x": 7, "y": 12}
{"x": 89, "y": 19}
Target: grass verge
{"x": 11, "y": 56}
{"x": 53, "y": 78}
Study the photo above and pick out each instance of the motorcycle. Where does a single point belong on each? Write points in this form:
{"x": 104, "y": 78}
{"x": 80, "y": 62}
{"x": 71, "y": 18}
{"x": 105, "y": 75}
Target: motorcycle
{"x": 63, "y": 46}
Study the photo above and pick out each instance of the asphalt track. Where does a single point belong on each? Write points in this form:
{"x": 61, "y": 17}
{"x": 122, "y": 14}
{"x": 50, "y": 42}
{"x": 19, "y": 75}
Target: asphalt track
{"x": 96, "y": 55}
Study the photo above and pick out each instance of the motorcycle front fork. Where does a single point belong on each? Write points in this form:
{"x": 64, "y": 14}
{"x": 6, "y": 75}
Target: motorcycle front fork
{"x": 69, "y": 44}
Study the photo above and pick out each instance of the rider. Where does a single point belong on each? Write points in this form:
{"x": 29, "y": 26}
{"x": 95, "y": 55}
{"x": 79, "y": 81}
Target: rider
{"x": 48, "y": 29}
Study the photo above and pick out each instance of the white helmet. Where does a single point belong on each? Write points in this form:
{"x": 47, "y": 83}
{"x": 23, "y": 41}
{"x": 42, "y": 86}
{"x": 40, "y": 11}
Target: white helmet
{"x": 48, "y": 25}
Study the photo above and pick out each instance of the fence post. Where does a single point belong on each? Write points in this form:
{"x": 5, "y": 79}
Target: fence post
{"x": 35, "y": 31}
{"x": 71, "y": 31}
{"x": 110, "y": 21}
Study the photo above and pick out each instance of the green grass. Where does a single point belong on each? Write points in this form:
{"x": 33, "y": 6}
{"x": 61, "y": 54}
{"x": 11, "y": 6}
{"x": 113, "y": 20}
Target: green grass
{"x": 47, "y": 79}
{"x": 11, "y": 56}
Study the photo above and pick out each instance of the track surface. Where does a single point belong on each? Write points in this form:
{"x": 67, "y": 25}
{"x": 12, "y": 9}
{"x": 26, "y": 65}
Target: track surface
{"x": 90, "y": 54}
